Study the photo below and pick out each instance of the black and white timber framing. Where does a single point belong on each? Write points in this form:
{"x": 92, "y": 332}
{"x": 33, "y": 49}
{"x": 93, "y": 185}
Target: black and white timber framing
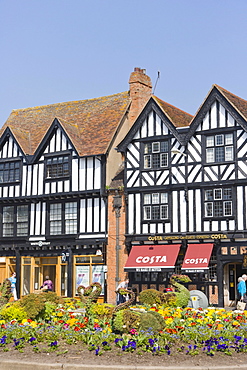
{"x": 188, "y": 178}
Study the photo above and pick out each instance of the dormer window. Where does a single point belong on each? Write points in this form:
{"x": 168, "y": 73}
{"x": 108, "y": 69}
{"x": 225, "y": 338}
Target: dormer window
{"x": 57, "y": 166}
{"x": 10, "y": 171}
{"x": 156, "y": 154}
{"x": 219, "y": 148}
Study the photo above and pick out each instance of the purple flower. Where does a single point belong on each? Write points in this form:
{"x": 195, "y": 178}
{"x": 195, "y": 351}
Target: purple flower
{"x": 53, "y": 344}
{"x": 97, "y": 351}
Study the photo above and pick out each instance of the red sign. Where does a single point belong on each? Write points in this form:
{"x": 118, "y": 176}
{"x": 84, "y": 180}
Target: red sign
{"x": 152, "y": 257}
{"x": 197, "y": 256}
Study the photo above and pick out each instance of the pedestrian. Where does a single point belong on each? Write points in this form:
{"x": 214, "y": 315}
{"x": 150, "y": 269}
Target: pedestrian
{"x": 47, "y": 285}
{"x": 121, "y": 298}
{"x": 12, "y": 280}
{"x": 241, "y": 288}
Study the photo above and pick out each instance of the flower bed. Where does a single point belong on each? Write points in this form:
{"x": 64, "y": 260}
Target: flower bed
{"x": 188, "y": 331}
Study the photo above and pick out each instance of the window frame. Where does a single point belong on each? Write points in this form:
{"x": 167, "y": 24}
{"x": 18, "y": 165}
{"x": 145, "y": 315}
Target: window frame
{"x": 54, "y": 157}
{"x": 14, "y": 222}
{"x": 155, "y": 154}
{"x": 62, "y": 221}
{"x": 8, "y": 162}
{"x": 150, "y": 206}
{"x": 219, "y": 150}
{"x": 217, "y": 204}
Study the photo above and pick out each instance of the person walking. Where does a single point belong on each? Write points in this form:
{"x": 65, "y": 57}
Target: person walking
{"x": 47, "y": 285}
{"x": 121, "y": 298}
{"x": 12, "y": 280}
{"x": 241, "y": 288}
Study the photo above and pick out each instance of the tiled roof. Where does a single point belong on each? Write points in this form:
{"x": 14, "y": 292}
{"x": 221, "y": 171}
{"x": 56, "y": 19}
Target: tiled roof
{"x": 239, "y": 103}
{"x": 178, "y": 117}
{"x": 90, "y": 124}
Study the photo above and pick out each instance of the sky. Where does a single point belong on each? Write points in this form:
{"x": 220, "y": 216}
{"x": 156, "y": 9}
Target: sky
{"x": 55, "y": 51}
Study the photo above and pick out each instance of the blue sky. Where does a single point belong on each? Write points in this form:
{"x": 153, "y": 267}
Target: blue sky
{"x": 61, "y": 50}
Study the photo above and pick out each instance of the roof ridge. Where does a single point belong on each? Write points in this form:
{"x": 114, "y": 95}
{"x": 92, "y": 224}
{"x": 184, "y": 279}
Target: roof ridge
{"x": 66, "y": 103}
{"x": 222, "y": 88}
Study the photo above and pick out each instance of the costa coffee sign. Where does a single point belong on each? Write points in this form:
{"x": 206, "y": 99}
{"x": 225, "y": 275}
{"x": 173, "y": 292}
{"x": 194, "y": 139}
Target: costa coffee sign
{"x": 197, "y": 257}
{"x": 152, "y": 257}
{"x": 150, "y": 260}
{"x": 196, "y": 261}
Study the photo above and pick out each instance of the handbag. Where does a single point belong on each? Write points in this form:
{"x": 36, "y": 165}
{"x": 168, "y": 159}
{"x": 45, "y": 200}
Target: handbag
{"x": 241, "y": 305}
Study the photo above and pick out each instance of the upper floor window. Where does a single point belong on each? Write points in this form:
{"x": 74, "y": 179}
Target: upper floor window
{"x": 219, "y": 148}
{"x": 63, "y": 218}
{"x": 155, "y": 206}
{"x": 10, "y": 171}
{"x": 156, "y": 154}
{"x": 57, "y": 166}
{"x": 15, "y": 221}
{"x": 218, "y": 202}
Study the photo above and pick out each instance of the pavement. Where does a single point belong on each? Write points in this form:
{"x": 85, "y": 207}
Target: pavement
{"x": 15, "y": 365}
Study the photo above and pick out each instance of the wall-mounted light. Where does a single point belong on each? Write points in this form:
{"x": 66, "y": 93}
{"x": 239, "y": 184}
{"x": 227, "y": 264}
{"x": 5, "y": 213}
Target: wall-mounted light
{"x": 177, "y": 151}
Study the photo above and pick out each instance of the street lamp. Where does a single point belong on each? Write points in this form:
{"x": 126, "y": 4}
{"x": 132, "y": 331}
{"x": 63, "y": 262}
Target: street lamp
{"x": 117, "y": 204}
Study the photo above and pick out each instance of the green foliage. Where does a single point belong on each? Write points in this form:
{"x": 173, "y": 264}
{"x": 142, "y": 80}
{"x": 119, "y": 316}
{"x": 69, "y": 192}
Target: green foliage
{"x": 152, "y": 320}
{"x": 125, "y": 320}
{"x": 183, "y": 297}
{"x": 5, "y": 290}
{"x": 100, "y": 310}
{"x": 13, "y": 311}
{"x": 150, "y": 297}
{"x": 35, "y": 304}
{"x": 169, "y": 299}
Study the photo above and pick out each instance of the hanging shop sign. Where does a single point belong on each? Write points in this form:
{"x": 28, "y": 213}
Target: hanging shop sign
{"x": 244, "y": 265}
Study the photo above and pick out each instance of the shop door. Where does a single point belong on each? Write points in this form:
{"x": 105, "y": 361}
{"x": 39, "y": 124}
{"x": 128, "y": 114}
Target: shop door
{"x": 49, "y": 270}
{"x": 235, "y": 271}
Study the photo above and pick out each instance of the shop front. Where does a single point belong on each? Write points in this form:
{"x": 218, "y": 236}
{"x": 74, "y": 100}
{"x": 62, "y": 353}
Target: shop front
{"x": 67, "y": 266}
{"x": 150, "y": 266}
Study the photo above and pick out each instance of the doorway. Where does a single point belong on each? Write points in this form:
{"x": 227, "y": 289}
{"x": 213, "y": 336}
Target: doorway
{"x": 49, "y": 270}
{"x": 232, "y": 271}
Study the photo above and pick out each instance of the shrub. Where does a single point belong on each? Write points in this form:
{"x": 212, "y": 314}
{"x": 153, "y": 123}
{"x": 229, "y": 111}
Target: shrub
{"x": 152, "y": 320}
{"x": 101, "y": 310}
{"x": 13, "y": 311}
{"x": 150, "y": 297}
{"x": 34, "y": 304}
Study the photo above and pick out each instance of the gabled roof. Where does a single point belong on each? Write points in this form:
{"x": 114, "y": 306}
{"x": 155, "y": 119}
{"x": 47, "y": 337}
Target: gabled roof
{"x": 239, "y": 103}
{"x": 178, "y": 117}
{"x": 173, "y": 117}
{"x": 90, "y": 124}
{"x": 236, "y": 106}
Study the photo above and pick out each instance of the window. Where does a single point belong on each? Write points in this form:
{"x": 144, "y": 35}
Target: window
{"x": 156, "y": 154}
{"x": 57, "y": 167}
{"x": 15, "y": 221}
{"x": 9, "y": 172}
{"x": 155, "y": 206}
{"x": 219, "y": 148}
{"x": 63, "y": 218}
{"x": 218, "y": 202}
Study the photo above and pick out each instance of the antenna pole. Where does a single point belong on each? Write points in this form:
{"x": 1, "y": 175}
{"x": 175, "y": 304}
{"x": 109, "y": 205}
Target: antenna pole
{"x": 156, "y": 81}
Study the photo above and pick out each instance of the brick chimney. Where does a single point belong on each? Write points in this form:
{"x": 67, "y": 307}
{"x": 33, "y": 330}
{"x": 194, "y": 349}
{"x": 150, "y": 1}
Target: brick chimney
{"x": 140, "y": 86}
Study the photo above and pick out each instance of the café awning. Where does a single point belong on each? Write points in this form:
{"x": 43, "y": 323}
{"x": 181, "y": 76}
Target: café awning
{"x": 197, "y": 257}
{"x": 143, "y": 258}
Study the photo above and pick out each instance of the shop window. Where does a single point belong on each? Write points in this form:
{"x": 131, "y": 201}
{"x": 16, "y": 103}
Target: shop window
{"x": 10, "y": 171}
{"x": 155, "y": 206}
{"x": 218, "y": 202}
{"x": 219, "y": 148}
{"x": 57, "y": 167}
{"x": 63, "y": 218}
{"x": 15, "y": 221}
{"x": 89, "y": 269}
{"x": 155, "y": 155}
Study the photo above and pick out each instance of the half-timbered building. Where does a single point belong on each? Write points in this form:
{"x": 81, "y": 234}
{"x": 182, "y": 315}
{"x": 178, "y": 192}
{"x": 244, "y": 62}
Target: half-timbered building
{"x": 186, "y": 188}
{"x": 56, "y": 162}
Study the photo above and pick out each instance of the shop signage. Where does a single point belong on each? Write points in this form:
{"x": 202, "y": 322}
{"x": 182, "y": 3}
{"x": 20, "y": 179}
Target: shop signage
{"x": 149, "y": 260}
{"x": 40, "y": 243}
{"x": 187, "y": 237}
{"x": 244, "y": 265}
{"x": 148, "y": 269}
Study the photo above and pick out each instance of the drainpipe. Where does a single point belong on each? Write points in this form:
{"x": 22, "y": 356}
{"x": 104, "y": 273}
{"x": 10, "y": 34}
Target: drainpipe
{"x": 117, "y": 204}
